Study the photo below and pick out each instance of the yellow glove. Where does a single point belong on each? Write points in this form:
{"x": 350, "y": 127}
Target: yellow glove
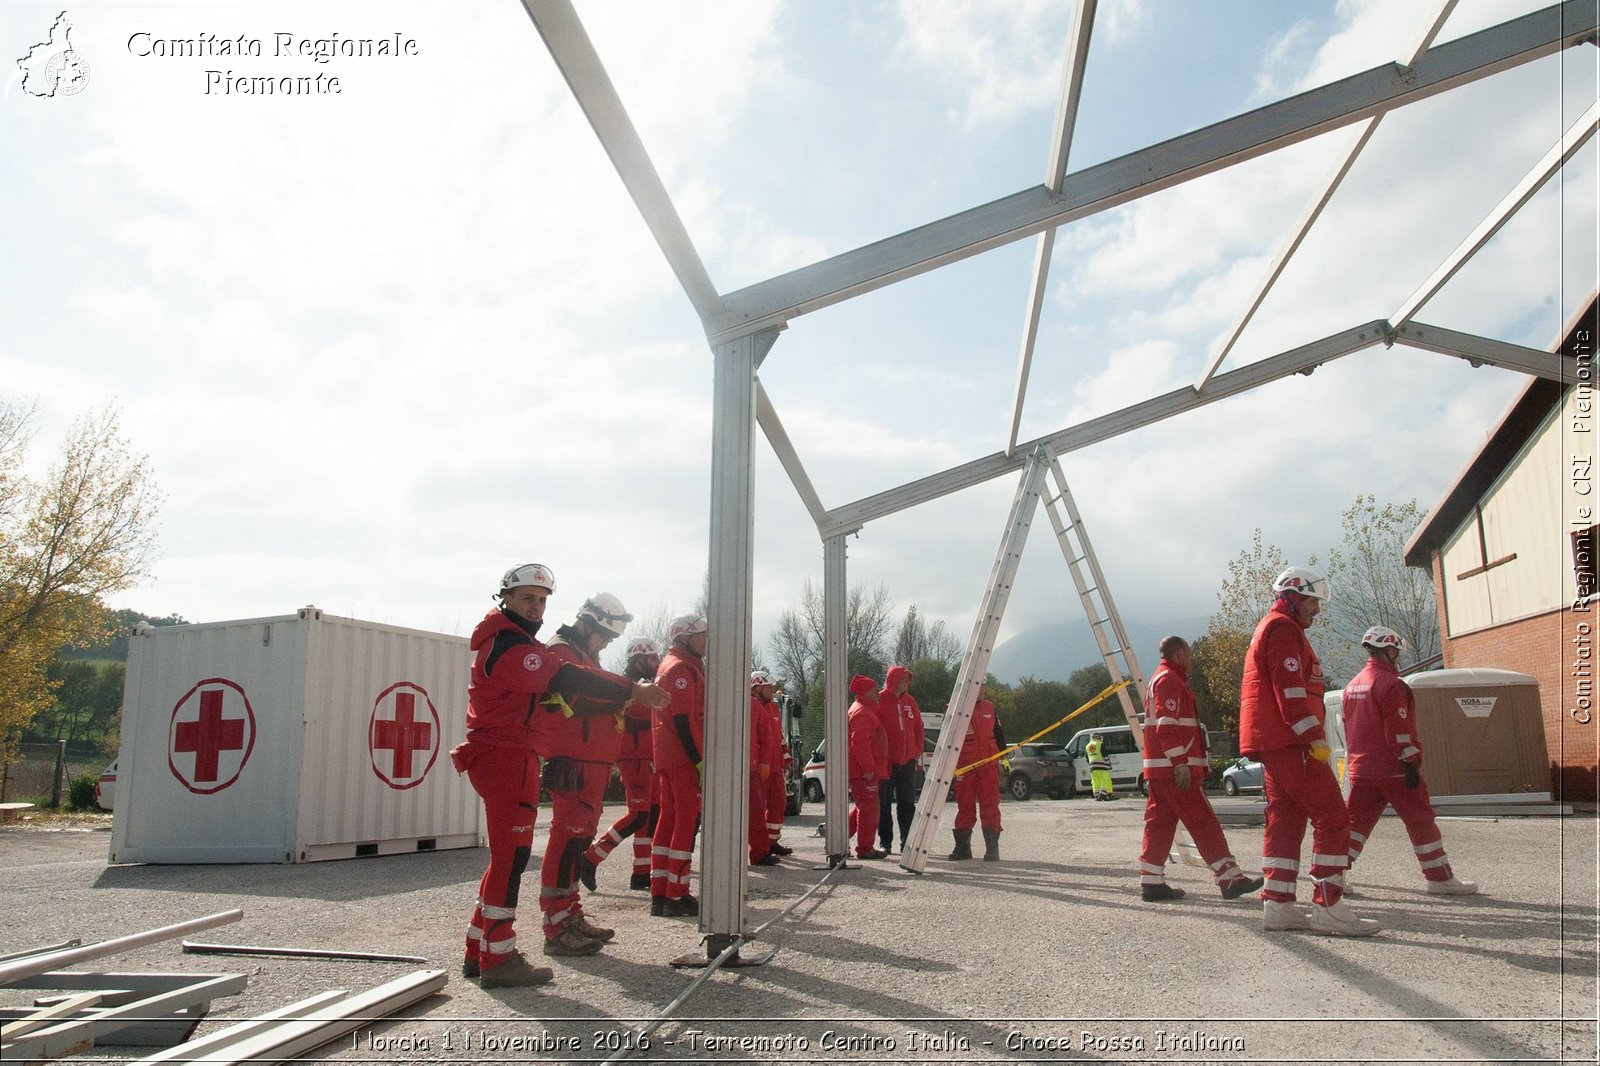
{"x": 1005, "y": 764}
{"x": 700, "y": 772}
{"x": 1320, "y": 750}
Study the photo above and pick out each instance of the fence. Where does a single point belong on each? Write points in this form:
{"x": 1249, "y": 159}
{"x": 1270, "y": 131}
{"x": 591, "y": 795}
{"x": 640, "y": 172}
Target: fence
{"x": 32, "y": 772}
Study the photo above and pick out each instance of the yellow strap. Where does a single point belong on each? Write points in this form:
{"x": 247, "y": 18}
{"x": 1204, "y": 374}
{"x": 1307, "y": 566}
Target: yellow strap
{"x": 1110, "y": 690}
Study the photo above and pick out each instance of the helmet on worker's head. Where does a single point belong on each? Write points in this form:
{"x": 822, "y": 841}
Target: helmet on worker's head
{"x": 606, "y": 612}
{"x": 761, "y": 677}
{"x": 642, "y": 646}
{"x": 528, "y": 574}
{"x": 1382, "y": 637}
{"x": 1305, "y": 582}
{"x": 685, "y": 626}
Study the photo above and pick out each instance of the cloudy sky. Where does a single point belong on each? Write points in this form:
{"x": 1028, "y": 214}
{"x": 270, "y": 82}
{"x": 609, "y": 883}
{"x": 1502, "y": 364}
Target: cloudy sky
{"x": 383, "y": 344}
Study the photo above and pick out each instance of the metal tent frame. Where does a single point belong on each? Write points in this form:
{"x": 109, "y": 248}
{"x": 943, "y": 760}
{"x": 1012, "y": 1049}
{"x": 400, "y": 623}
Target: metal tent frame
{"x": 742, "y": 326}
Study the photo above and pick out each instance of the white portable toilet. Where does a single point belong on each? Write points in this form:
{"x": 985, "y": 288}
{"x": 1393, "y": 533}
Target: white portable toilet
{"x": 291, "y": 739}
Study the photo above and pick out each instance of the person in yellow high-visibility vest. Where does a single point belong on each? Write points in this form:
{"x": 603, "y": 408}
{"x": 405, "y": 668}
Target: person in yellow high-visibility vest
{"x": 1099, "y": 768}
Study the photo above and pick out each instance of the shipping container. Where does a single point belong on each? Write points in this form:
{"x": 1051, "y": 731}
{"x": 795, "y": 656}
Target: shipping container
{"x": 291, "y": 739}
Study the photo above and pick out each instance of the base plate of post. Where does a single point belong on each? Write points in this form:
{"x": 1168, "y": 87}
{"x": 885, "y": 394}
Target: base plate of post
{"x": 699, "y": 960}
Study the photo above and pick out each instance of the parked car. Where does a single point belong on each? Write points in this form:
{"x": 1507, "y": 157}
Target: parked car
{"x": 1043, "y": 768}
{"x": 105, "y": 789}
{"x": 1245, "y": 775}
{"x": 811, "y": 776}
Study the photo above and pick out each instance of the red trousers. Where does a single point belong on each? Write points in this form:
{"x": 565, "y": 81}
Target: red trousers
{"x": 638, "y": 792}
{"x": 978, "y": 797}
{"x": 863, "y": 812}
{"x": 1167, "y": 806}
{"x": 508, "y": 781}
{"x": 1368, "y": 798}
{"x": 672, "y": 848}
{"x": 574, "y": 818}
{"x": 1301, "y": 789}
{"x": 756, "y": 833}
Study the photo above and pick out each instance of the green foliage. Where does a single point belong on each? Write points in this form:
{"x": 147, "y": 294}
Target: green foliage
{"x": 1370, "y": 584}
{"x": 80, "y": 791}
{"x": 115, "y": 647}
{"x": 87, "y": 699}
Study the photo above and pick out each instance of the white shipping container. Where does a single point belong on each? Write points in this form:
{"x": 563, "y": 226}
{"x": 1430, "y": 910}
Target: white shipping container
{"x": 292, "y": 739}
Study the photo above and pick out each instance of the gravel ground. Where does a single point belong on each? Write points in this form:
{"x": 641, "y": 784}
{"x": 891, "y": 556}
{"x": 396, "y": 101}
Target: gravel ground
{"x": 1047, "y": 956}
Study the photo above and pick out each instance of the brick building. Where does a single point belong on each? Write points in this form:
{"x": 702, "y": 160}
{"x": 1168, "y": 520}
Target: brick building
{"x": 1512, "y": 549}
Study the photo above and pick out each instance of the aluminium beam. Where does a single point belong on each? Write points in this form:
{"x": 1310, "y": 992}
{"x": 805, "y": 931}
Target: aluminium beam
{"x": 32, "y": 965}
{"x": 783, "y": 448}
{"x": 1162, "y": 166}
{"x": 69, "y": 1036}
{"x": 1301, "y": 360}
{"x": 569, "y": 45}
{"x": 1078, "y": 34}
{"x": 835, "y": 710}
{"x": 1575, "y": 137}
{"x": 1482, "y": 350}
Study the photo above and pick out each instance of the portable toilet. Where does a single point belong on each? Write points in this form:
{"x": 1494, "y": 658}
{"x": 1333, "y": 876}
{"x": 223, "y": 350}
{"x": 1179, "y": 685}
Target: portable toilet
{"x": 1482, "y": 732}
{"x": 291, "y": 739}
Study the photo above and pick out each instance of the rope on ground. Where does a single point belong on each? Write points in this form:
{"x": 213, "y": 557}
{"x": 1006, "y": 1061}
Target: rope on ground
{"x": 642, "y": 1035}
{"x": 1105, "y": 693}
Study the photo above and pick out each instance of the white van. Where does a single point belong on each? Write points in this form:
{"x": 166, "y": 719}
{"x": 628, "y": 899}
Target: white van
{"x": 1127, "y": 761}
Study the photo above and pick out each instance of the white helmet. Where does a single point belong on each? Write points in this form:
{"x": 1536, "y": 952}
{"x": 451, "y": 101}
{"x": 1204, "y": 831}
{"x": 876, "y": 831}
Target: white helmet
{"x": 606, "y": 612}
{"x": 528, "y": 574}
{"x": 1382, "y": 637}
{"x": 685, "y": 625}
{"x": 1305, "y": 582}
{"x": 643, "y": 646}
{"x": 761, "y": 677}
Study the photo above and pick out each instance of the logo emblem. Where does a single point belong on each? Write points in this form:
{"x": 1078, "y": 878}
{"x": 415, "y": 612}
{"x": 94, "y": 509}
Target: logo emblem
{"x": 532, "y": 662}
{"x": 53, "y": 67}
{"x": 1172, "y": 704}
{"x": 403, "y": 735}
{"x": 1292, "y": 664}
{"x": 681, "y": 684}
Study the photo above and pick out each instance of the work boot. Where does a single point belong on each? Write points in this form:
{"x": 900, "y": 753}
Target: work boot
{"x": 571, "y": 942}
{"x": 1239, "y": 886}
{"x": 963, "y": 848}
{"x": 640, "y": 882}
{"x": 1452, "y": 887}
{"x": 991, "y": 845}
{"x": 469, "y": 968}
{"x": 658, "y": 907}
{"x": 1279, "y": 915}
{"x": 586, "y": 871}
{"x": 873, "y": 853}
{"x": 587, "y": 928}
{"x": 768, "y": 859}
{"x": 683, "y": 907}
{"x": 516, "y": 972}
{"x": 1339, "y": 920}
{"x": 1160, "y": 893}
{"x": 781, "y": 849}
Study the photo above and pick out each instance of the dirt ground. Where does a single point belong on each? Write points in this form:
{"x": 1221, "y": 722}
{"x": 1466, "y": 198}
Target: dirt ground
{"x": 1046, "y": 956}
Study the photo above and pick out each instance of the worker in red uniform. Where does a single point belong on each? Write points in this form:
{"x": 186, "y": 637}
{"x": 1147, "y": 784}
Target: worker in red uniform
{"x": 1384, "y": 761}
{"x": 766, "y": 747}
{"x": 777, "y": 796}
{"x": 902, "y": 723}
{"x": 1280, "y": 724}
{"x": 580, "y": 745}
{"x": 678, "y": 734}
{"x": 638, "y": 776}
{"x": 511, "y": 673}
{"x": 1175, "y": 766}
{"x": 978, "y": 790}
{"x": 867, "y": 763}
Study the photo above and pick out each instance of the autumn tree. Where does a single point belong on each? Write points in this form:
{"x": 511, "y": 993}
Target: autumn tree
{"x": 1245, "y": 596}
{"x": 1370, "y": 584}
{"x": 920, "y": 639}
{"x": 83, "y": 532}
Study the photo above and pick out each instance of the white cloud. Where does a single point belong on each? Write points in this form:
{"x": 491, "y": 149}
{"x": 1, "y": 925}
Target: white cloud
{"x": 995, "y": 58}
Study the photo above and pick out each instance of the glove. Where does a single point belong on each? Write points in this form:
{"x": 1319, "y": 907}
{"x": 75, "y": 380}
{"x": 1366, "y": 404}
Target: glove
{"x": 1413, "y": 775}
{"x": 700, "y": 773}
{"x": 1005, "y": 764}
{"x": 1320, "y": 750}
{"x": 1181, "y": 776}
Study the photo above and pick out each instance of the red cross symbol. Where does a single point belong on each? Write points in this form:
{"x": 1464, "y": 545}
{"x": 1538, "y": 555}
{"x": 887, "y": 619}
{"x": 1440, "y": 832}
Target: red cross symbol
{"x": 395, "y": 728}
{"x": 212, "y": 736}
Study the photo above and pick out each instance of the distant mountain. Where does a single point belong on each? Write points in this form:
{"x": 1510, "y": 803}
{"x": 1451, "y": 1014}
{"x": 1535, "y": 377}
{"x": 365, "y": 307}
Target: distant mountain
{"x": 1052, "y": 652}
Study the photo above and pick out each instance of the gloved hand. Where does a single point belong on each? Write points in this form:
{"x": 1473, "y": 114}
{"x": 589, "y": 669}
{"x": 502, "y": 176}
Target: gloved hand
{"x": 764, "y": 771}
{"x": 1413, "y": 775}
{"x": 700, "y": 773}
{"x": 1005, "y": 764}
{"x": 1181, "y": 776}
{"x": 1320, "y": 750}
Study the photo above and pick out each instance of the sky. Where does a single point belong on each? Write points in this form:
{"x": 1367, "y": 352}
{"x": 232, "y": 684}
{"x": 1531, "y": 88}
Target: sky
{"x": 383, "y": 344}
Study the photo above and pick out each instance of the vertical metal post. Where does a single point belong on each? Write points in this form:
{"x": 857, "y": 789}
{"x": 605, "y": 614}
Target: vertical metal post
{"x": 727, "y": 766}
{"x": 60, "y": 771}
{"x": 835, "y": 780}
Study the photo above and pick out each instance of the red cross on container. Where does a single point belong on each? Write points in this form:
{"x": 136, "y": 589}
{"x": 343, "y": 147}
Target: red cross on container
{"x": 222, "y": 725}
{"x": 395, "y": 728}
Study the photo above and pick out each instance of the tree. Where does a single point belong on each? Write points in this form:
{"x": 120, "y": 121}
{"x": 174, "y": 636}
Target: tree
{"x": 82, "y": 533}
{"x": 1370, "y": 584}
{"x": 919, "y": 640}
{"x": 1245, "y": 596}
{"x": 796, "y": 646}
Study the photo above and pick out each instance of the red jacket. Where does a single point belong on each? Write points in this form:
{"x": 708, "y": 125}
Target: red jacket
{"x": 766, "y": 735}
{"x": 901, "y": 718}
{"x": 1380, "y": 723}
{"x": 512, "y": 673}
{"x": 984, "y": 735}
{"x": 592, "y": 733}
{"x": 1172, "y": 734}
{"x": 678, "y": 730}
{"x": 1280, "y": 699}
{"x": 868, "y": 750}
